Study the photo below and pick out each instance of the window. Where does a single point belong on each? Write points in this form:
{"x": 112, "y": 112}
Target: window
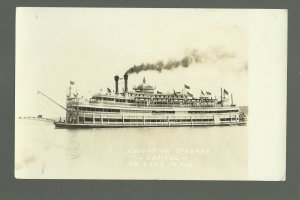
{"x": 88, "y": 119}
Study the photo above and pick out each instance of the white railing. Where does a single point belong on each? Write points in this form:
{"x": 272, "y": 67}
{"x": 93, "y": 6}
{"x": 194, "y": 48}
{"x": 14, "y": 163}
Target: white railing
{"x": 130, "y": 105}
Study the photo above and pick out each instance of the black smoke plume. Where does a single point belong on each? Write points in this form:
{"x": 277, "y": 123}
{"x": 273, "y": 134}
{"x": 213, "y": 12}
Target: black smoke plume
{"x": 195, "y": 56}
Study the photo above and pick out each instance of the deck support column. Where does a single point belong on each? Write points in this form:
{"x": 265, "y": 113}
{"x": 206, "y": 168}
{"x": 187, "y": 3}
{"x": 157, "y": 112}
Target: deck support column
{"x": 168, "y": 121}
{"x": 123, "y": 120}
{"x": 84, "y": 118}
{"x": 93, "y": 118}
{"x": 101, "y": 119}
{"x": 144, "y": 120}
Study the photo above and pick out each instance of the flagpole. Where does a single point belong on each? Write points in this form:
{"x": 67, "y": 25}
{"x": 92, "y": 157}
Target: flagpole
{"x": 231, "y": 99}
{"x": 221, "y": 95}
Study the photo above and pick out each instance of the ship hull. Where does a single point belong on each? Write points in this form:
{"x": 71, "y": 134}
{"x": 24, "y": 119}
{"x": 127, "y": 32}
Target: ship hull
{"x": 127, "y": 125}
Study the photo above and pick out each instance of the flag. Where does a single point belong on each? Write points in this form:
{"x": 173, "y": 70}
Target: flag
{"x": 225, "y": 92}
{"x": 189, "y": 94}
{"x": 202, "y": 92}
{"x": 108, "y": 90}
{"x": 72, "y": 83}
{"x": 186, "y": 86}
{"x": 175, "y": 93}
{"x": 208, "y": 93}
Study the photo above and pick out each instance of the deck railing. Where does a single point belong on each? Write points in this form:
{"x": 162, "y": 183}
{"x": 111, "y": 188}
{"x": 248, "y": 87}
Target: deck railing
{"x": 117, "y": 104}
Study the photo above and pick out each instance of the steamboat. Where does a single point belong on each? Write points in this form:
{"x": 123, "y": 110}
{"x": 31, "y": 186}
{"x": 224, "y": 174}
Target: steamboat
{"x": 144, "y": 106}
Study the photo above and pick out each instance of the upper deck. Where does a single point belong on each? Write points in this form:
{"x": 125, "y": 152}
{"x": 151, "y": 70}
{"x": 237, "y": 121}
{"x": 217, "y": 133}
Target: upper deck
{"x": 146, "y": 96}
{"x": 142, "y": 100}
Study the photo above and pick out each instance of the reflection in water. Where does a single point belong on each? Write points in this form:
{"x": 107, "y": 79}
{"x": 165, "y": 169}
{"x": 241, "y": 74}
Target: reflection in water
{"x": 131, "y": 153}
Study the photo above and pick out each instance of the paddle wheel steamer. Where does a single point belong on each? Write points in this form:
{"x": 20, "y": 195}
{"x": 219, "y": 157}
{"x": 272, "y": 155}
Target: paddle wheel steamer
{"x": 146, "y": 107}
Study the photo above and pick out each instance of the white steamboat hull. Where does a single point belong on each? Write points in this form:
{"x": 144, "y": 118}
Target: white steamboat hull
{"x": 93, "y": 120}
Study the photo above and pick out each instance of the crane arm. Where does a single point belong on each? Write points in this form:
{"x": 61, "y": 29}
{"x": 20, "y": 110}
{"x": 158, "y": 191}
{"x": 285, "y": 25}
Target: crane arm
{"x": 39, "y": 92}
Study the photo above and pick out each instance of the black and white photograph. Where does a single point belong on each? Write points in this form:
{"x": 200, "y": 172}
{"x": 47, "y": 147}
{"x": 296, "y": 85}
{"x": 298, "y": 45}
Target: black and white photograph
{"x": 150, "y": 93}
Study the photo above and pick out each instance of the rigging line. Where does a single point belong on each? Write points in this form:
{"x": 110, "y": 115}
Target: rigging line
{"x": 39, "y": 92}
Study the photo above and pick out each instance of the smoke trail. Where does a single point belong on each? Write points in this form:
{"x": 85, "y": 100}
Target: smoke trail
{"x": 195, "y": 56}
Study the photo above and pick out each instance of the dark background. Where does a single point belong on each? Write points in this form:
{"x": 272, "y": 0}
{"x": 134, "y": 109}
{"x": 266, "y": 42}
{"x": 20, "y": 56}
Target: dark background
{"x": 11, "y": 188}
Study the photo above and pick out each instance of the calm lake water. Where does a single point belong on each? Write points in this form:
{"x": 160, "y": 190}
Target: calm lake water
{"x": 199, "y": 153}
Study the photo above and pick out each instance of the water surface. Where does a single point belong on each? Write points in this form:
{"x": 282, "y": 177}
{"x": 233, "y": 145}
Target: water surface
{"x": 200, "y": 153}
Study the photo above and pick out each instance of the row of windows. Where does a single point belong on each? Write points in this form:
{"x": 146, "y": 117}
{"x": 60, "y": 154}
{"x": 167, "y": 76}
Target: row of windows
{"x": 163, "y": 111}
{"x": 177, "y": 102}
{"x": 120, "y": 100}
{"x": 142, "y": 111}
{"x": 113, "y": 99}
{"x": 228, "y": 119}
{"x": 97, "y": 109}
{"x": 136, "y": 111}
{"x": 189, "y": 120}
{"x": 155, "y": 100}
{"x": 118, "y": 110}
{"x": 141, "y": 120}
{"x": 157, "y": 96}
{"x": 210, "y": 111}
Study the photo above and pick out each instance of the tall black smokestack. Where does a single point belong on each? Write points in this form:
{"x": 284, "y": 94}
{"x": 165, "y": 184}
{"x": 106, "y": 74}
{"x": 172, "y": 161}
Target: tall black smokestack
{"x": 126, "y": 82}
{"x": 117, "y": 84}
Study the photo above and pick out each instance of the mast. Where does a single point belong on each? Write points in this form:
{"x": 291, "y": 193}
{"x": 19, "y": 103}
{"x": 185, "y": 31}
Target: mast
{"x": 221, "y": 96}
{"x": 231, "y": 99}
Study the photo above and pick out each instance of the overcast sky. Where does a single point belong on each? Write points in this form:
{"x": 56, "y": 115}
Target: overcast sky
{"x": 91, "y": 45}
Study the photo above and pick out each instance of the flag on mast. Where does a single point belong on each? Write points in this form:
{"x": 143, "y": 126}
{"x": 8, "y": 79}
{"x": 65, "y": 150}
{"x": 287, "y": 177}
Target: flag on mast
{"x": 208, "y": 93}
{"x": 202, "y": 92}
{"x": 225, "y": 92}
{"x": 190, "y": 94}
{"x": 72, "y": 83}
{"x": 108, "y": 90}
{"x": 186, "y": 86}
{"x": 175, "y": 93}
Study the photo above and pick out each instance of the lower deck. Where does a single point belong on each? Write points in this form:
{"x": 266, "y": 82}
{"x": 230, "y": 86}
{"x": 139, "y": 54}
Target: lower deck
{"x": 115, "y": 120}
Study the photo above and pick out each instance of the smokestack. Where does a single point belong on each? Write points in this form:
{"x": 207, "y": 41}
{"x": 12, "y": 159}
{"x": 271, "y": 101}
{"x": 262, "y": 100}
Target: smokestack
{"x": 126, "y": 82}
{"x": 117, "y": 84}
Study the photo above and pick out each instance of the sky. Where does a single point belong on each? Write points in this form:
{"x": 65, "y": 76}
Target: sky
{"x": 91, "y": 45}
